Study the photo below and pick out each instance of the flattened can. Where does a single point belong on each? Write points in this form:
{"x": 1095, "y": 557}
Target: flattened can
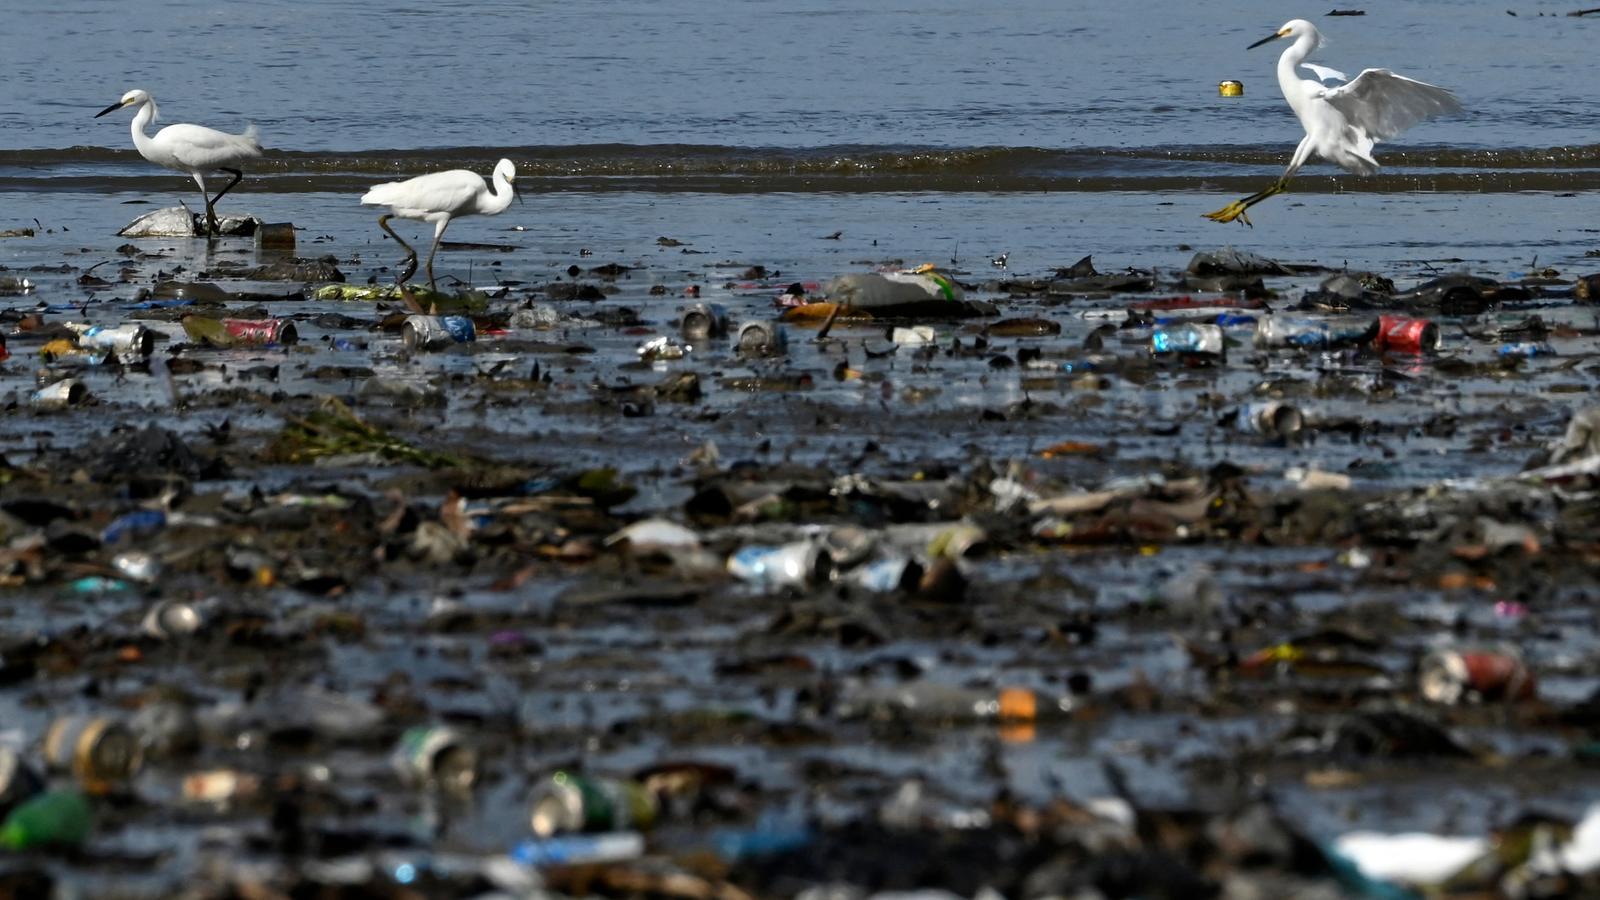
{"x": 435, "y": 756}
{"x": 433, "y": 332}
{"x": 1271, "y": 418}
{"x": 1402, "y": 334}
{"x": 95, "y": 749}
{"x": 1453, "y": 676}
{"x": 1188, "y": 338}
{"x": 18, "y": 782}
{"x": 130, "y": 338}
{"x": 58, "y": 394}
{"x": 703, "y": 320}
{"x": 566, "y": 802}
{"x": 761, "y": 339}
{"x": 254, "y": 332}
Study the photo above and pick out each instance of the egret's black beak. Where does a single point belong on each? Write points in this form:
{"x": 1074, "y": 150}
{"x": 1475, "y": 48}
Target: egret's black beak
{"x": 517, "y": 193}
{"x": 110, "y": 109}
{"x": 1266, "y": 40}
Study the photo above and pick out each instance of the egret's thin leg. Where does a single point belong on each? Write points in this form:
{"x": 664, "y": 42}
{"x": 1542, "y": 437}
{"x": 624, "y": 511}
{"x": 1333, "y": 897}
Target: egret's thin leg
{"x": 211, "y": 220}
{"x": 1236, "y": 209}
{"x": 411, "y": 255}
{"x": 438, "y": 234}
{"x": 211, "y": 214}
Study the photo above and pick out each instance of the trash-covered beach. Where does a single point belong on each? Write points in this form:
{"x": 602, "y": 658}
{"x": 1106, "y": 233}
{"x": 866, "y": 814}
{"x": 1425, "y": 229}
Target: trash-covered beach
{"x": 1195, "y": 572}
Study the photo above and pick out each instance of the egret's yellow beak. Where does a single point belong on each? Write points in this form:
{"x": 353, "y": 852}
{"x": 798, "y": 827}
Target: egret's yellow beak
{"x": 110, "y": 109}
{"x": 1267, "y": 40}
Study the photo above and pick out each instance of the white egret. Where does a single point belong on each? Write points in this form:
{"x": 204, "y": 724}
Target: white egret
{"x": 438, "y": 198}
{"x": 193, "y": 149}
{"x": 1342, "y": 120}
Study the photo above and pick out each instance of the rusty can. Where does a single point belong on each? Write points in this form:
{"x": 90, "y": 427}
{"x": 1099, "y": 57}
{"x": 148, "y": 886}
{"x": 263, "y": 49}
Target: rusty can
{"x": 703, "y": 320}
{"x": 130, "y": 338}
{"x": 761, "y": 339}
{"x": 255, "y": 332}
{"x": 566, "y": 802}
{"x": 1402, "y": 334}
{"x": 1271, "y": 418}
{"x": 435, "y": 756}
{"x": 1455, "y": 675}
{"x": 58, "y": 394}
{"x": 95, "y": 749}
{"x": 433, "y": 332}
{"x": 275, "y": 236}
{"x": 18, "y": 781}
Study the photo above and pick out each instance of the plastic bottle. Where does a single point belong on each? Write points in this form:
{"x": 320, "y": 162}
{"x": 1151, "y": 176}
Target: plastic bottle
{"x": 54, "y": 818}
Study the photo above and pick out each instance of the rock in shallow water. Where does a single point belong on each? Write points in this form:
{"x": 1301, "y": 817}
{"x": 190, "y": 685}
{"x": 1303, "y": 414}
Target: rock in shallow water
{"x": 178, "y": 221}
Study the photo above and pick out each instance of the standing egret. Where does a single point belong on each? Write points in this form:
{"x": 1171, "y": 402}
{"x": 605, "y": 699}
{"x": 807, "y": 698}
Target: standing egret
{"x": 1342, "y": 120}
{"x": 194, "y": 149}
{"x": 438, "y": 198}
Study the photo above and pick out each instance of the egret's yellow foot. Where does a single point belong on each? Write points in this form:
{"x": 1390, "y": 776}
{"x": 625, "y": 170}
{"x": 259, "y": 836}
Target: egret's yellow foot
{"x": 1236, "y": 209}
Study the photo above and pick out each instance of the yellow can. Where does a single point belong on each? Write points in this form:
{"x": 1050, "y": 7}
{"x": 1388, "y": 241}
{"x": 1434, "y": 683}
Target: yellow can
{"x": 1231, "y": 89}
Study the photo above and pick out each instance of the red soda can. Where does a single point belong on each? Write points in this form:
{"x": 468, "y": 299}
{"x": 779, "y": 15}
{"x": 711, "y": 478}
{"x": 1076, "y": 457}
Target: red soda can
{"x": 1402, "y": 334}
{"x": 261, "y": 331}
{"x": 1452, "y": 676}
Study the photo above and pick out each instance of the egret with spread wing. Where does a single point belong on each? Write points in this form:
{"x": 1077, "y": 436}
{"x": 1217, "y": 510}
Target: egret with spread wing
{"x": 1342, "y": 121}
{"x": 192, "y": 149}
{"x": 438, "y": 198}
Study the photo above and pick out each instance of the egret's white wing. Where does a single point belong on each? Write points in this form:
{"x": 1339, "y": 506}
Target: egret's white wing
{"x": 1324, "y": 74}
{"x": 449, "y": 192}
{"x": 1384, "y": 104}
{"x": 199, "y": 147}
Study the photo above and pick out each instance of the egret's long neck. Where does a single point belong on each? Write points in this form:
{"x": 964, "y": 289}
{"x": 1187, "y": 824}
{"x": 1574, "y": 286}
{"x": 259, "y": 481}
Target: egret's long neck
{"x": 141, "y": 120}
{"x": 1289, "y": 63}
{"x": 499, "y": 198}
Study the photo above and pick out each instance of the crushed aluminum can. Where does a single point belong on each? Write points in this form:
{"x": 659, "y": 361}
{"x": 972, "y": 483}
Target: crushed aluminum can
{"x": 761, "y": 339}
{"x": 136, "y": 566}
{"x": 1285, "y": 331}
{"x": 566, "y": 802}
{"x": 59, "y": 394}
{"x": 255, "y": 332}
{"x": 169, "y": 619}
{"x": 95, "y": 749}
{"x": 883, "y": 576}
{"x": 435, "y": 756}
{"x": 1271, "y": 418}
{"x": 18, "y": 781}
{"x": 1526, "y": 349}
{"x": 220, "y": 786}
{"x": 434, "y": 332}
{"x": 1402, "y": 334}
{"x": 131, "y": 338}
{"x": 800, "y": 564}
{"x": 1453, "y": 676}
{"x": 1188, "y": 339}
{"x": 704, "y": 320}
{"x": 915, "y": 336}
{"x": 661, "y": 348}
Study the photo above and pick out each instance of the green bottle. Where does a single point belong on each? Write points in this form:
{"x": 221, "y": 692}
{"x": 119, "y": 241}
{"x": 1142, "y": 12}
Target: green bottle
{"x": 54, "y": 818}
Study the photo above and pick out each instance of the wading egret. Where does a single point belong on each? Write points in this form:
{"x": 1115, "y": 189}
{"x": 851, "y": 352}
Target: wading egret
{"x": 193, "y": 149}
{"x": 1342, "y": 120}
{"x": 438, "y": 198}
